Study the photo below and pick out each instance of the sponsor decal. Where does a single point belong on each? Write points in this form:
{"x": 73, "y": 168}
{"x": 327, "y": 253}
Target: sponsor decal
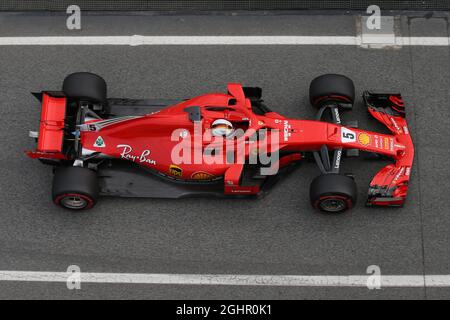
{"x": 347, "y": 135}
{"x": 395, "y": 125}
{"x": 364, "y": 139}
{"x": 99, "y": 143}
{"x": 408, "y": 171}
{"x": 127, "y": 154}
{"x": 398, "y": 175}
{"x": 336, "y": 113}
{"x": 201, "y": 175}
{"x": 175, "y": 171}
{"x": 287, "y": 129}
{"x": 241, "y": 191}
{"x": 338, "y": 159}
{"x": 386, "y": 143}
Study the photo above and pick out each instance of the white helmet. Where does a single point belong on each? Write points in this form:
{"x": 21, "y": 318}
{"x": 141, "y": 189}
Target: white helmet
{"x": 221, "y": 128}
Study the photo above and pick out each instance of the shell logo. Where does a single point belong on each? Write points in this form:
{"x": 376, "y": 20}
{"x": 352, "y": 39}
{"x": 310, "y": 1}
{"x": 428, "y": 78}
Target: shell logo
{"x": 201, "y": 175}
{"x": 364, "y": 139}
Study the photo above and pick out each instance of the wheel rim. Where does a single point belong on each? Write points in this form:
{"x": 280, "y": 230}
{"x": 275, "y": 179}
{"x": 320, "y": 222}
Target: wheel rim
{"x": 74, "y": 202}
{"x": 333, "y": 205}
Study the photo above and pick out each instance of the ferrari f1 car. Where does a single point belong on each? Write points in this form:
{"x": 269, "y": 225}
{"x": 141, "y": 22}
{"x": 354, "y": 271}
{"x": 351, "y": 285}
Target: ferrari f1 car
{"x": 218, "y": 144}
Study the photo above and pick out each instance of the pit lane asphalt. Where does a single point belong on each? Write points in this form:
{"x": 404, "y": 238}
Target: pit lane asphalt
{"x": 279, "y": 234}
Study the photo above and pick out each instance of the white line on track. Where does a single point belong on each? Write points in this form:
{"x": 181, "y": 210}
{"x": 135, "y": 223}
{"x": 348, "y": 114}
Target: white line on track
{"x": 411, "y": 281}
{"x": 138, "y": 40}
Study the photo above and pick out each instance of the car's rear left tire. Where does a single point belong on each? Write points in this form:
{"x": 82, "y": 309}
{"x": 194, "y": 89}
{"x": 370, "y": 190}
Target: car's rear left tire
{"x": 331, "y": 88}
{"x": 75, "y": 188}
{"x": 333, "y": 193}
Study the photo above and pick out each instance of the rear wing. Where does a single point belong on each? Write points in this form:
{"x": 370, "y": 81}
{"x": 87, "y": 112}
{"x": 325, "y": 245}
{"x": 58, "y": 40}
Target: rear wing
{"x": 50, "y": 138}
{"x": 389, "y": 187}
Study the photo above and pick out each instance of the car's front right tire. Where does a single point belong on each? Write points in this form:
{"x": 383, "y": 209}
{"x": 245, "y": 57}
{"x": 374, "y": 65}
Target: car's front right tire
{"x": 333, "y": 193}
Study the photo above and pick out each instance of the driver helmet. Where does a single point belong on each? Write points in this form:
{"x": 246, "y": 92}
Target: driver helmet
{"x": 221, "y": 128}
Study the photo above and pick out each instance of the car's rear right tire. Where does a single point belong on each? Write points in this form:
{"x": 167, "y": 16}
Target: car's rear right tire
{"x": 75, "y": 188}
{"x": 333, "y": 193}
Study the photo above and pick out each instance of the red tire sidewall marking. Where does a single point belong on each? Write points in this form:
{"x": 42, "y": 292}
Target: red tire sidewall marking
{"x": 347, "y": 200}
{"x": 89, "y": 200}
{"x": 331, "y": 97}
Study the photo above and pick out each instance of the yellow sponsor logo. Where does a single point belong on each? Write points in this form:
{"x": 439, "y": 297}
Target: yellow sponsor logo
{"x": 175, "y": 171}
{"x": 364, "y": 139}
{"x": 386, "y": 143}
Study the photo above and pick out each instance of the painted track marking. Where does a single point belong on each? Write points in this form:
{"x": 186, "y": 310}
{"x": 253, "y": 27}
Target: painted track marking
{"x": 138, "y": 40}
{"x": 411, "y": 281}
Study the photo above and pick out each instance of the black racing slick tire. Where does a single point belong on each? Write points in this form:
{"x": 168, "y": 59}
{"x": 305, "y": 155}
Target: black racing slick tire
{"x": 85, "y": 86}
{"x": 333, "y": 193}
{"x": 75, "y": 188}
{"x": 331, "y": 88}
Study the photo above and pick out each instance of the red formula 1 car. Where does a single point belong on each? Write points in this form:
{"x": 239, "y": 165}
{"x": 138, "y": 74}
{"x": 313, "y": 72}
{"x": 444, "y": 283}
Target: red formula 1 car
{"x": 218, "y": 144}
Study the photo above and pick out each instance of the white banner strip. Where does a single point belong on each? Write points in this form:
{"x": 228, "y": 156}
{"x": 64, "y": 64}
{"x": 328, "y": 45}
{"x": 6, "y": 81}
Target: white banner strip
{"x": 412, "y": 281}
{"x": 137, "y": 40}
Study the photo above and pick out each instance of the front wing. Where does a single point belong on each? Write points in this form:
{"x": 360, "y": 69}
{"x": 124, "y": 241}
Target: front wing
{"x": 389, "y": 187}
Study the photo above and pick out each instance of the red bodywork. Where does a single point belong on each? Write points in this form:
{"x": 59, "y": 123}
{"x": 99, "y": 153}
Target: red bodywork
{"x": 147, "y": 140}
{"x": 51, "y": 133}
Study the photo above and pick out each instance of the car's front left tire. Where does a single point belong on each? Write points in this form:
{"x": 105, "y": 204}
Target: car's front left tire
{"x": 75, "y": 188}
{"x": 331, "y": 89}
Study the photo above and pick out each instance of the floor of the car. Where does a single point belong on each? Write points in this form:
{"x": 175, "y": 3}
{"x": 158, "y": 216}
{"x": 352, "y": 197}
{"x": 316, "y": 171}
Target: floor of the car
{"x": 119, "y": 107}
{"x": 125, "y": 179}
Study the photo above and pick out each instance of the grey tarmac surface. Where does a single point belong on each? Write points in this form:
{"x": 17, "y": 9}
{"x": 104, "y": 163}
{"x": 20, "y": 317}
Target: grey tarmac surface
{"x": 279, "y": 234}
